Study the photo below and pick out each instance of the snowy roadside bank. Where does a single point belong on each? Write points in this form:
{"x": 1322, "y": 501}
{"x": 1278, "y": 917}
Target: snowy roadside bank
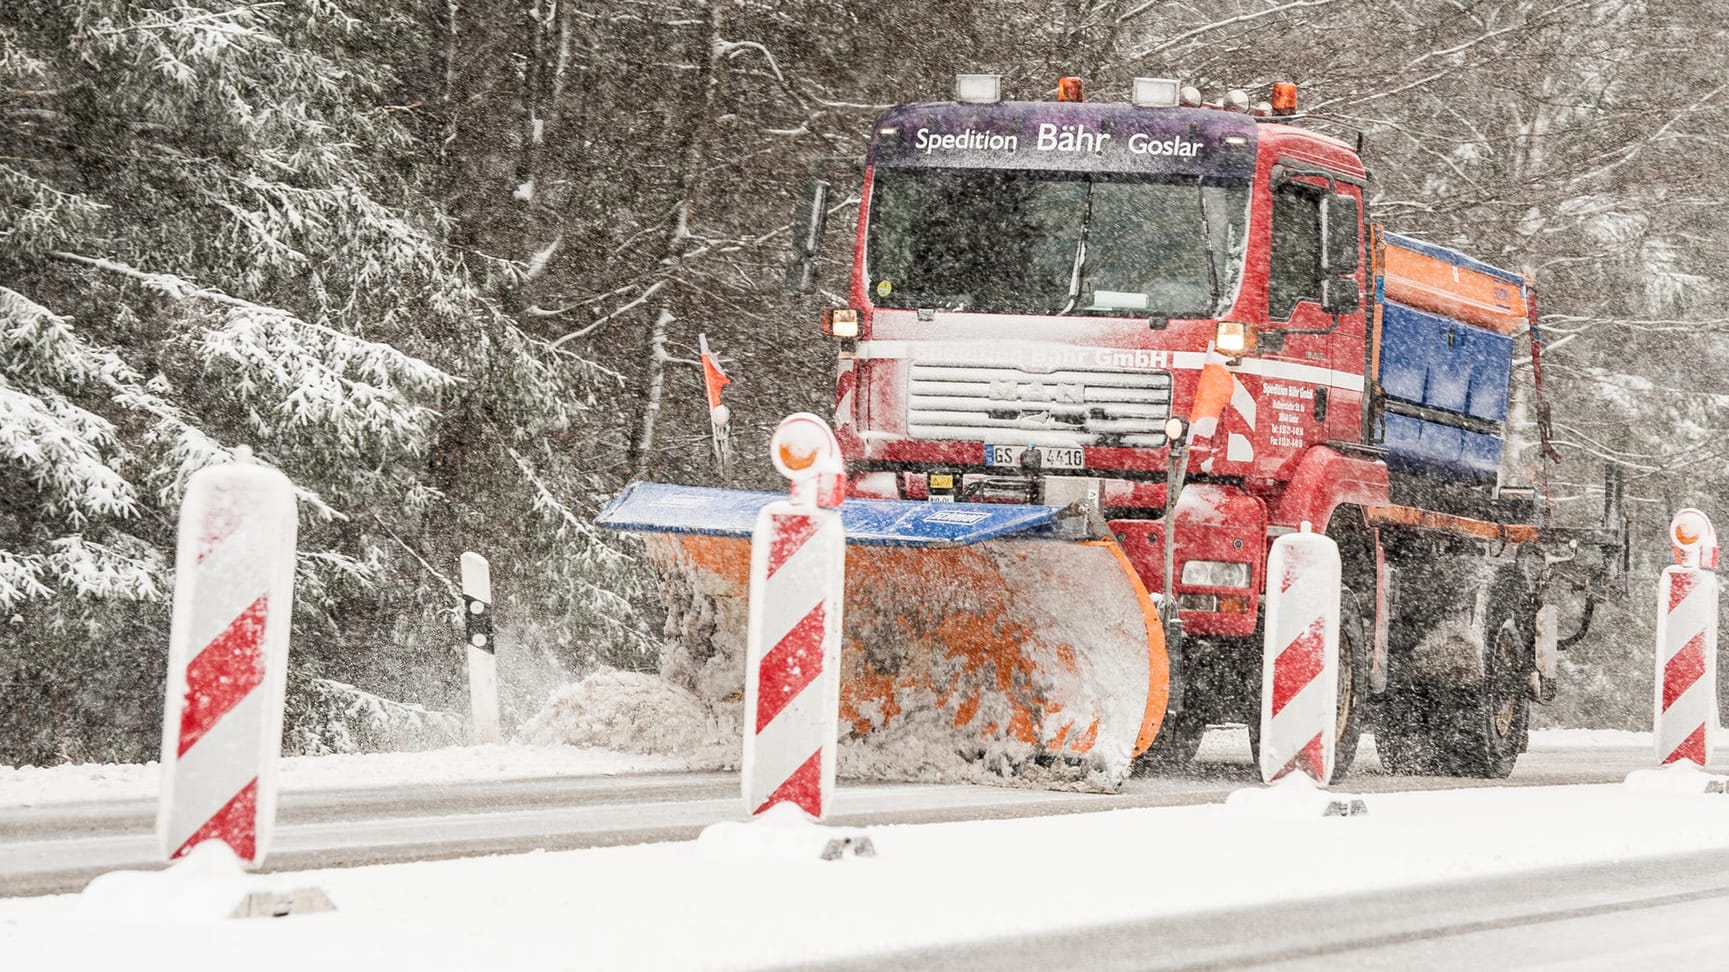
{"x": 932, "y": 883}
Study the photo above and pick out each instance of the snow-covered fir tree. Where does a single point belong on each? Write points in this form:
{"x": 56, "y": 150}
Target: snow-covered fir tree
{"x": 215, "y": 231}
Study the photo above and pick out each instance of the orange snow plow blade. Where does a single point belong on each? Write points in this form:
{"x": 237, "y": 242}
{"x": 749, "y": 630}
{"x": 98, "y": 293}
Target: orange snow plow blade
{"x": 1011, "y": 645}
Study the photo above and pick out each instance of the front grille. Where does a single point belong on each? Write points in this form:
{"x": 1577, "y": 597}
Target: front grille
{"x": 1008, "y": 406}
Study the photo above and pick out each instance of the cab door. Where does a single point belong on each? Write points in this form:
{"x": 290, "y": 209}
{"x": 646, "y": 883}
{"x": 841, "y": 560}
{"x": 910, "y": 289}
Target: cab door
{"x": 1315, "y": 300}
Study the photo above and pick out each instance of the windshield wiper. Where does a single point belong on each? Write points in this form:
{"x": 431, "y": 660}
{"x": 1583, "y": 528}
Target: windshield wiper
{"x": 1080, "y": 252}
{"x": 1207, "y": 245}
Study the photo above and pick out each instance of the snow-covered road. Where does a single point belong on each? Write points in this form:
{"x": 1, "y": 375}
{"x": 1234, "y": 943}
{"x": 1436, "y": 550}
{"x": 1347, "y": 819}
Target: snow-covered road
{"x": 1643, "y": 913}
{"x": 1591, "y": 876}
{"x": 60, "y": 828}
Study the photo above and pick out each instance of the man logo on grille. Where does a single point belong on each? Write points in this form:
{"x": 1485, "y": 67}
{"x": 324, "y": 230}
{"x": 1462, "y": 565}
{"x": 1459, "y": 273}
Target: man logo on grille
{"x": 1011, "y": 390}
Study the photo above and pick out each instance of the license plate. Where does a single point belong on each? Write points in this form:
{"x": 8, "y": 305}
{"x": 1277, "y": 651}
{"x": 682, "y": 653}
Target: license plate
{"x": 1050, "y": 457}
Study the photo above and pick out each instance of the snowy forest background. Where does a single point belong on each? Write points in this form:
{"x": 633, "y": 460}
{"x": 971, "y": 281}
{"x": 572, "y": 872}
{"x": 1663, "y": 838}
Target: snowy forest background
{"x": 444, "y": 263}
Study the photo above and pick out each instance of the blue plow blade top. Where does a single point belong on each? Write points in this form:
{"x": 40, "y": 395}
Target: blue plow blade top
{"x": 667, "y": 508}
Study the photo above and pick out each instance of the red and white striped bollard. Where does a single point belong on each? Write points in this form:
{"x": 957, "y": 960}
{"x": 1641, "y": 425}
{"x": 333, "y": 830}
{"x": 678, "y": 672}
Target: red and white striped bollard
{"x": 792, "y": 673}
{"x": 1685, "y": 701}
{"x": 227, "y": 661}
{"x": 1300, "y": 668}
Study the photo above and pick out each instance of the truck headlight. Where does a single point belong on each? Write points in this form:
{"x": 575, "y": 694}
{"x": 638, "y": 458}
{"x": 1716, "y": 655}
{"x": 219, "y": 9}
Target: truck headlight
{"x": 1234, "y": 338}
{"x": 841, "y": 322}
{"x": 1215, "y": 573}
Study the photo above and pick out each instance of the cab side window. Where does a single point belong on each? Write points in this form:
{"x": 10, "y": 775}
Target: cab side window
{"x": 1295, "y": 271}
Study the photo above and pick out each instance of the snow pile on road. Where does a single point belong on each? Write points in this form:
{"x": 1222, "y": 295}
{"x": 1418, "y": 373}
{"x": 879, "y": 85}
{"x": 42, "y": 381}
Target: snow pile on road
{"x": 783, "y": 832}
{"x": 634, "y": 712}
{"x": 206, "y": 885}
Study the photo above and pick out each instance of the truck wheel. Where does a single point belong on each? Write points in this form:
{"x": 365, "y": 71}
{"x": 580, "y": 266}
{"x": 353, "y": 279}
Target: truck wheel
{"x": 1175, "y": 747}
{"x": 1353, "y": 682}
{"x": 1402, "y": 735}
{"x": 1481, "y": 729}
{"x": 1353, "y": 686}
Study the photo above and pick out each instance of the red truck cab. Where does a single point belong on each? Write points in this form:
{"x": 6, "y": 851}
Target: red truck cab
{"x": 1036, "y": 287}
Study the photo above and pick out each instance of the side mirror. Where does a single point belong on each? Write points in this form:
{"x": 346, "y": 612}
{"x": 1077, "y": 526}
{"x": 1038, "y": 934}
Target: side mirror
{"x": 1339, "y": 234}
{"x": 1340, "y": 295}
{"x": 809, "y": 221}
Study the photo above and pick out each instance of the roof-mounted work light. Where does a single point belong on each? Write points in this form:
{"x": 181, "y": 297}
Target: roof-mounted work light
{"x": 1157, "y": 92}
{"x": 979, "y": 89}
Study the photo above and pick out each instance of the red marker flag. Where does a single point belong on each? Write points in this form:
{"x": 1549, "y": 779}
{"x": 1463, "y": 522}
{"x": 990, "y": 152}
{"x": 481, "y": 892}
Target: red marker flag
{"x": 719, "y": 416}
{"x": 1212, "y": 394}
{"x": 712, "y": 376}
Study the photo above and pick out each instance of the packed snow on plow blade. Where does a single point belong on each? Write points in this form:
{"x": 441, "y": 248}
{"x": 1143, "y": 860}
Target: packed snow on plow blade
{"x": 981, "y": 641}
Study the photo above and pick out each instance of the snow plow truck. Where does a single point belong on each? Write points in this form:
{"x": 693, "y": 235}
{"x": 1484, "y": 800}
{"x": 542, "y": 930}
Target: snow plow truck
{"x": 1095, "y": 357}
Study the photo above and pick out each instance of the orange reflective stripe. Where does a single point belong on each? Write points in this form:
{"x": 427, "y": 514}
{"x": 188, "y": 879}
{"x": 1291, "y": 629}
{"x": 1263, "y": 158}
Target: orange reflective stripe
{"x": 1427, "y": 283}
{"x": 1429, "y": 520}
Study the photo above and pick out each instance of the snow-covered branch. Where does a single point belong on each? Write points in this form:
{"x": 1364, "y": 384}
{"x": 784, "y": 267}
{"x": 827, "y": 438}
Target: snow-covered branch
{"x": 588, "y": 329}
{"x": 1238, "y": 20}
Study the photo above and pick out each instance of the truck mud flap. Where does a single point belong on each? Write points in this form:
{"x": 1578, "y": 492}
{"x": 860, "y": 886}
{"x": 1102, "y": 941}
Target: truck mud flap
{"x": 984, "y": 633}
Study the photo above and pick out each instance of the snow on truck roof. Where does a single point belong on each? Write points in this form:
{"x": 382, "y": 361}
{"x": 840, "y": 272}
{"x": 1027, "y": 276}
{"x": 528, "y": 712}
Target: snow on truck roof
{"x": 1068, "y": 136}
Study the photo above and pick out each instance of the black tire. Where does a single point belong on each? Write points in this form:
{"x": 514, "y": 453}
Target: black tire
{"x": 1353, "y": 687}
{"x": 1354, "y": 651}
{"x": 1175, "y": 746}
{"x": 1487, "y": 725}
{"x": 1402, "y": 736}
{"x": 1475, "y": 730}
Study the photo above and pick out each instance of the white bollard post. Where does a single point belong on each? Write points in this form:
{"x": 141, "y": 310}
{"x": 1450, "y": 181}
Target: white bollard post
{"x": 792, "y": 676}
{"x": 1685, "y": 701}
{"x": 1300, "y": 668}
{"x": 227, "y": 661}
{"x": 482, "y": 649}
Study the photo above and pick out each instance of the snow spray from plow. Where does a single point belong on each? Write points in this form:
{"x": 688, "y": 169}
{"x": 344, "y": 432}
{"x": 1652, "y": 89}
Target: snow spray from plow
{"x": 1014, "y": 637}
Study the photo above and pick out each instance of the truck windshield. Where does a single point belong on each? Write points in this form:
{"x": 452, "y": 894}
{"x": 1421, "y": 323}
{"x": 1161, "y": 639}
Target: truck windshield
{"x": 1012, "y": 241}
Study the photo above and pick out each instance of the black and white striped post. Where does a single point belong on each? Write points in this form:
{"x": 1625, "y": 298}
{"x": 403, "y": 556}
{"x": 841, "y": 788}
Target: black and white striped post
{"x": 482, "y": 649}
